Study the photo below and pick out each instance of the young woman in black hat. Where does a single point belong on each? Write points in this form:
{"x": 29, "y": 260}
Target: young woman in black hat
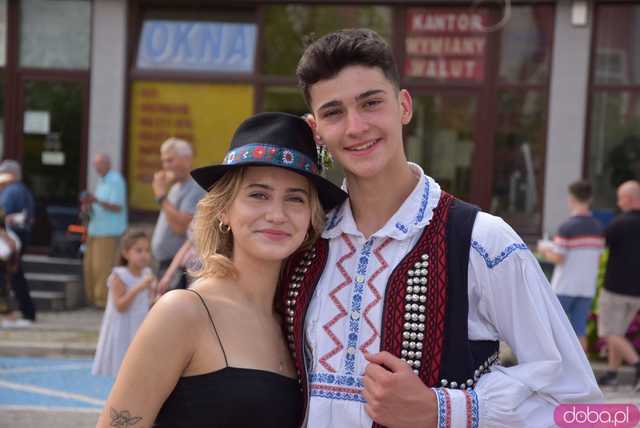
{"x": 215, "y": 355}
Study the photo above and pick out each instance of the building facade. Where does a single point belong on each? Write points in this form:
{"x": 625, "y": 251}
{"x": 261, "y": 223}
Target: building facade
{"x": 511, "y": 104}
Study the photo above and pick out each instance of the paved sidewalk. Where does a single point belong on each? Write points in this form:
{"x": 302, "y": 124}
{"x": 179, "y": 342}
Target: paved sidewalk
{"x": 56, "y": 334}
{"x": 67, "y": 333}
{"x": 39, "y": 418}
{"x": 38, "y": 392}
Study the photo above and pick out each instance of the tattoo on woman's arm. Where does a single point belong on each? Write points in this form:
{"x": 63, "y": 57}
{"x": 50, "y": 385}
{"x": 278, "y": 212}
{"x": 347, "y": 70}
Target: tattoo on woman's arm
{"x": 123, "y": 419}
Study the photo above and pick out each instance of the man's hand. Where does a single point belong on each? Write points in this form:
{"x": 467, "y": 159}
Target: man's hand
{"x": 160, "y": 184}
{"x": 162, "y": 181}
{"x": 396, "y": 397}
{"x": 87, "y": 198}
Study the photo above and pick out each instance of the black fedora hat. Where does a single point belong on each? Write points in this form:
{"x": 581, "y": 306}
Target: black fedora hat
{"x": 274, "y": 139}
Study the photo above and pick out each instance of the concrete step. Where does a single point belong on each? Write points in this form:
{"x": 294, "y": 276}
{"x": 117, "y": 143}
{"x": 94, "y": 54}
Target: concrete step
{"x": 50, "y": 281}
{"x": 55, "y": 291}
{"x": 31, "y": 342}
{"x": 48, "y": 300}
{"x": 38, "y": 263}
{"x": 55, "y": 333}
{"x": 49, "y": 416}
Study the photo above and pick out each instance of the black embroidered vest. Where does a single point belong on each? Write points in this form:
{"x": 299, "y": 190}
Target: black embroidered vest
{"x": 425, "y": 315}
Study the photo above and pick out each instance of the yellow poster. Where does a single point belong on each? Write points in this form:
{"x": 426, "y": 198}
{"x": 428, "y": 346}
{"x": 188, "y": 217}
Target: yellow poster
{"x": 206, "y": 115}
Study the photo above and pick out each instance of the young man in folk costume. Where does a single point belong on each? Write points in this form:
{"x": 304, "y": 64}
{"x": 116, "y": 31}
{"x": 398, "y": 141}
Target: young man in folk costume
{"x": 395, "y": 317}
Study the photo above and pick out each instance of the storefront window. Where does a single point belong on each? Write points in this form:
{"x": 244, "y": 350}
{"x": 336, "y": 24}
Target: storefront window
{"x": 617, "y": 45}
{"x": 449, "y": 57}
{"x": 521, "y": 116}
{"x": 614, "y": 134}
{"x": 525, "y": 45}
{"x": 52, "y": 135}
{"x": 55, "y": 34}
{"x": 284, "y": 98}
{"x": 288, "y": 26}
{"x": 52, "y": 129}
{"x": 614, "y": 150}
{"x": 519, "y": 158}
{"x": 441, "y": 139}
{"x": 206, "y": 115}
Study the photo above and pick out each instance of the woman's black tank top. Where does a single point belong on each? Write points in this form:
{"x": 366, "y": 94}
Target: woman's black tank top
{"x": 232, "y": 397}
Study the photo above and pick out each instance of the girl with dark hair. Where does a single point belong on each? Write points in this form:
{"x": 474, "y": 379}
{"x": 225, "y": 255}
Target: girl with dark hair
{"x": 127, "y": 302}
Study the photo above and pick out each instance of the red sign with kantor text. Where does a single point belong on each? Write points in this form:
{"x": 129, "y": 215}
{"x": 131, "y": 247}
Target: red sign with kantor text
{"x": 445, "y": 44}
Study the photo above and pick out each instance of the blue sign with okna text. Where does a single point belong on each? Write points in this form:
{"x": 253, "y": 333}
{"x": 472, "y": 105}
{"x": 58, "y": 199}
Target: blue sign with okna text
{"x": 197, "y": 46}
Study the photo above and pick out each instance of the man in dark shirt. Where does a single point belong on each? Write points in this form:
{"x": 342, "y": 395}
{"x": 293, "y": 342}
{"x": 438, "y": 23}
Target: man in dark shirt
{"x": 620, "y": 298}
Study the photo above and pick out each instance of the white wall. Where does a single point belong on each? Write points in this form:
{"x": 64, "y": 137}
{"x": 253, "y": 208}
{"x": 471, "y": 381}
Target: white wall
{"x": 108, "y": 77}
{"x": 567, "y": 113}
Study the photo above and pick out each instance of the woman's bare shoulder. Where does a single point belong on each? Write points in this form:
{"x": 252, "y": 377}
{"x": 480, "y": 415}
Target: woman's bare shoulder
{"x": 214, "y": 290}
{"x": 187, "y": 305}
{"x": 179, "y": 306}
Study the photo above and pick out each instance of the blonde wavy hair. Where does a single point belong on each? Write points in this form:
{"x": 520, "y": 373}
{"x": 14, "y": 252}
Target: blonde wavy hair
{"x": 215, "y": 248}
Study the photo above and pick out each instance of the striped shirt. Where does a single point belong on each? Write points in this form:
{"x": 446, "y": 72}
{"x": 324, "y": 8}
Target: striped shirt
{"x": 581, "y": 242}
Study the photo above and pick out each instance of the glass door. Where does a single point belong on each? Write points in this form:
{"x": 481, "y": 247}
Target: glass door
{"x": 442, "y": 139}
{"x": 53, "y": 140}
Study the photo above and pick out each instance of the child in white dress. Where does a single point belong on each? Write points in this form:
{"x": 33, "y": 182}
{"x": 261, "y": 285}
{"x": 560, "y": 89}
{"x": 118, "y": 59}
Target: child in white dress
{"x": 127, "y": 303}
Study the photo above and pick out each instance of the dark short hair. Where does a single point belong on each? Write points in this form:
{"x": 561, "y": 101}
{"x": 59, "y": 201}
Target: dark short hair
{"x": 581, "y": 190}
{"x": 327, "y": 56}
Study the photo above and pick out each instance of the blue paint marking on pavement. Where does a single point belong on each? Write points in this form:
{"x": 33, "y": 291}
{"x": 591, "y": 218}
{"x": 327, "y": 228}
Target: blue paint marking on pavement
{"x": 50, "y": 382}
{"x": 11, "y": 397}
{"x": 15, "y": 362}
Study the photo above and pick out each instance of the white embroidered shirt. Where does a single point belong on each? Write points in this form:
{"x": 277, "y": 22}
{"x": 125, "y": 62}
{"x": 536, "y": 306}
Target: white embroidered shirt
{"x": 509, "y": 299}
